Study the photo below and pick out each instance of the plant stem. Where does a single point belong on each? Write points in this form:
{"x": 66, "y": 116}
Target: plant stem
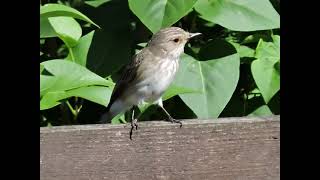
{"x": 71, "y": 108}
{"x": 75, "y": 111}
{"x": 71, "y": 54}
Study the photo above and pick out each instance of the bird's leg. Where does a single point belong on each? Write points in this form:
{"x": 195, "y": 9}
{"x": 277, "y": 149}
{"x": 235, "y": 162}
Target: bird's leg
{"x": 134, "y": 120}
{"x": 169, "y": 116}
{"x": 134, "y": 123}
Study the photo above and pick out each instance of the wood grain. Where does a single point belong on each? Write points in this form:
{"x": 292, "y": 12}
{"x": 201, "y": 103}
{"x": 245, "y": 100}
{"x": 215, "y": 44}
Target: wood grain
{"x": 226, "y": 148}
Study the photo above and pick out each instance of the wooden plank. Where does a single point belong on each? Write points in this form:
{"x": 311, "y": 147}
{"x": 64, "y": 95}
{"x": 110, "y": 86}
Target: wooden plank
{"x": 226, "y": 148}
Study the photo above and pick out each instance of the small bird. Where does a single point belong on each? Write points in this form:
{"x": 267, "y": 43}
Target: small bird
{"x": 149, "y": 74}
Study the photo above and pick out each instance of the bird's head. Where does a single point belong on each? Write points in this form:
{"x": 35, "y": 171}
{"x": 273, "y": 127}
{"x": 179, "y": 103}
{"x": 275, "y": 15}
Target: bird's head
{"x": 171, "y": 40}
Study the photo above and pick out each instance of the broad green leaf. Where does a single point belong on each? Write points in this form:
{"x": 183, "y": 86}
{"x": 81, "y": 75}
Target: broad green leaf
{"x": 53, "y": 10}
{"x": 176, "y": 90}
{"x": 270, "y": 50}
{"x": 97, "y": 94}
{"x": 46, "y": 82}
{"x": 266, "y": 69}
{"x": 276, "y": 40}
{"x": 96, "y": 3}
{"x": 161, "y": 13}
{"x": 243, "y": 51}
{"x": 239, "y": 15}
{"x": 46, "y": 30}
{"x": 67, "y": 28}
{"x": 79, "y": 52}
{"x": 261, "y": 111}
{"x": 216, "y": 77}
{"x": 71, "y": 75}
{"x": 266, "y": 77}
{"x": 51, "y": 99}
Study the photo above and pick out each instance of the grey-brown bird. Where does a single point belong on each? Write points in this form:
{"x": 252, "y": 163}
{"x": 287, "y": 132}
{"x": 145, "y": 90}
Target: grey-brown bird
{"x": 149, "y": 74}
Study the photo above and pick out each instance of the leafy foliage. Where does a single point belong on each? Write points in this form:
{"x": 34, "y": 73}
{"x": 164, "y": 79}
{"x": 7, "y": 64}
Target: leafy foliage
{"x": 241, "y": 15}
{"x": 233, "y": 69}
{"x": 161, "y": 13}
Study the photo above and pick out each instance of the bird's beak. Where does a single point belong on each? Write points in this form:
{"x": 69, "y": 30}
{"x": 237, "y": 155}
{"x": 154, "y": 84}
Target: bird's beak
{"x": 191, "y": 35}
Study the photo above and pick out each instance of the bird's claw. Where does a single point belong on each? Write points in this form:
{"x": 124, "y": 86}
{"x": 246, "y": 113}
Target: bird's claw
{"x": 175, "y": 121}
{"x": 134, "y": 124}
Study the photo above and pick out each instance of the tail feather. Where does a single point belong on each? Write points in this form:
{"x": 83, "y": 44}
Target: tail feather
{"x": 112, "y": 111}
{"x": 106, "y": 118}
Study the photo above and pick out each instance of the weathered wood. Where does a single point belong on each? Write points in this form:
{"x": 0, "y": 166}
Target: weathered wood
{"x": 226, "y": 148}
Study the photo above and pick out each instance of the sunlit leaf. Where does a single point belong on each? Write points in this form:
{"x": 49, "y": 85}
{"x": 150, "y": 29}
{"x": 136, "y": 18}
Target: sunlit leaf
{"x": 240, "y": 15}
{"x": 160, "y": 13}
{"x": 53, "y": 10}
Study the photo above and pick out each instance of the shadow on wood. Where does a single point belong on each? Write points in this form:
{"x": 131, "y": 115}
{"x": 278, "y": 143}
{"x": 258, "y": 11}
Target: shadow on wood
{"x": 226, "y": 148}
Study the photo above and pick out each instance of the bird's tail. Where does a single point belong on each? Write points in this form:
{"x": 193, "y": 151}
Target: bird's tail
{"x": 113, "y": 110}
{"x": 106, "y": 118}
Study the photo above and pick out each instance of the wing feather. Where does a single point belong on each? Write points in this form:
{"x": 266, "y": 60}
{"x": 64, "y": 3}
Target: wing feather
{"x": 127, "y": 76}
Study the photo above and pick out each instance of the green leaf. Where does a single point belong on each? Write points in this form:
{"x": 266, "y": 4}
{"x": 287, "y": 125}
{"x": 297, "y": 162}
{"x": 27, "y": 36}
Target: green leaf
{"x": 254, "y": 93}
{"x": 161, "y": 13}
{"x": 46, "y": 82}
{"x": 41, "y": 68}
{"x": 120, "y": 118}
{"x": 97, "y": 94}
{"x": 261, "y": 111}
{"x": 51, "y": 99}
{"x": 176, "y": 90}
{"x": 67, "y": 29}
{"x": 276, "y": 40}
{"x": 254, "y": 38}
{"x": 71, "y": 75}
{"x": 63, "y": 84}
{"x": 266, "y": 69}
{"x": 53, "y": 10}
{"x": 240, "y": 15}
{"x": 216, "y": 74}
{"x": 270, "y": 50}
{"x": 144, "y": 106}
{"x": 46, "y": 30}
{"x": 81, "y": 50}
{"x": 96, "y": 3}
{"x": 243, "y": 51}
{"x": 266, "y": 77}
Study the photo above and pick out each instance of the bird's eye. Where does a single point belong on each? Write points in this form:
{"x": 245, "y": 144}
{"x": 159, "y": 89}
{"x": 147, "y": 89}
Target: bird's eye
{"x": 176, "y": 40}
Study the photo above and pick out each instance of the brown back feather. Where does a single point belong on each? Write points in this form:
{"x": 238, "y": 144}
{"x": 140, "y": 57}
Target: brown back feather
{"x": 127, "y": 76}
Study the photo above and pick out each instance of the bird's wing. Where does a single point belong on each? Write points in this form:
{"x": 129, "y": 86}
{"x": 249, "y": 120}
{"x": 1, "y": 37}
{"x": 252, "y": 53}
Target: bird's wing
{"x": 127, "y": 76}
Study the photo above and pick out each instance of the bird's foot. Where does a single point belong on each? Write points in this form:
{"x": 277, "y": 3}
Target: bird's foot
{"x": 175, "y": 121}
{"x": 134, "y": 124}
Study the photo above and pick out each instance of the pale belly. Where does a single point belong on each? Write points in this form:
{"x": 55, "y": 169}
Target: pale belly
{"x": 152, "y": 88}
{"x": 155, "y": 89}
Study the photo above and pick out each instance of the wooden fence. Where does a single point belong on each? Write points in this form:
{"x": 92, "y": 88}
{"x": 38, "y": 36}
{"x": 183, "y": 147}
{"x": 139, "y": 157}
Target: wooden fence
{"x": 225, "y": 148}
